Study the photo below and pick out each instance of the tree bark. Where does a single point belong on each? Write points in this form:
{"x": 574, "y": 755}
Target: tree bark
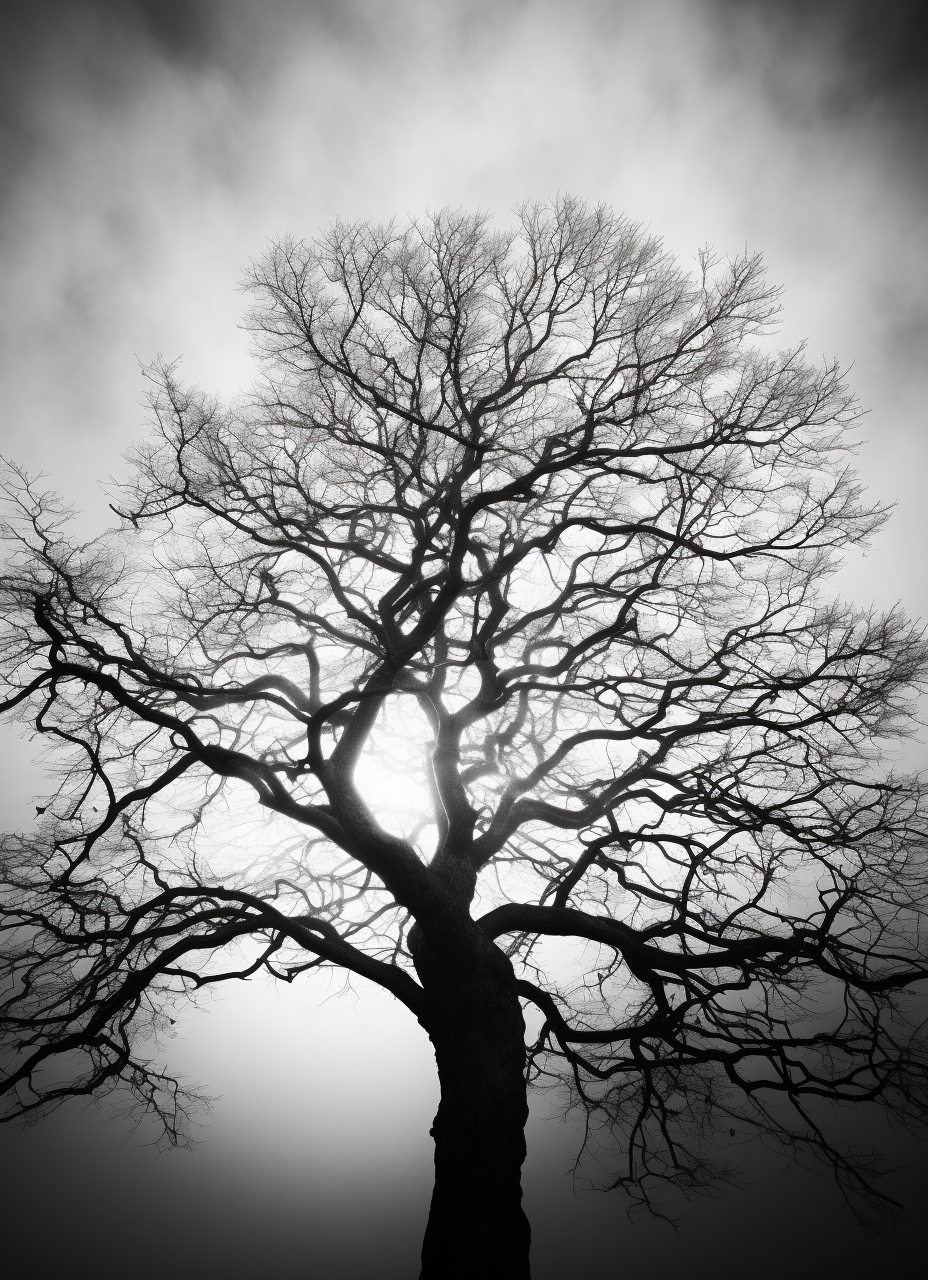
{"x": 476, "y": 1225}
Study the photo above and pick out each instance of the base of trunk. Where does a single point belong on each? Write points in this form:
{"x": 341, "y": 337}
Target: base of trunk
{"x": 477, "y": 1228}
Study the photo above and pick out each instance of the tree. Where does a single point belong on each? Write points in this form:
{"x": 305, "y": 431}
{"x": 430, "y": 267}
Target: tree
{"x": 482, "y": 651}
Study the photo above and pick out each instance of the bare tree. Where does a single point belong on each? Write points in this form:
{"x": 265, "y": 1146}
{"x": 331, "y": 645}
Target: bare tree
{"x": 482, "y": 652}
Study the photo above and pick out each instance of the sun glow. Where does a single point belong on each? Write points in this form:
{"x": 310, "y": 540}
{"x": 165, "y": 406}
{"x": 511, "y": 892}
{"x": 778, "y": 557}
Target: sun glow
{"x": 392, "y": 775}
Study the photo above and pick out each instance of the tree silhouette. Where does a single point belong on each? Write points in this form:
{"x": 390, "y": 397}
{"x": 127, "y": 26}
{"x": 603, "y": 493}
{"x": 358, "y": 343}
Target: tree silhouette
{"x": 481, "y": 651}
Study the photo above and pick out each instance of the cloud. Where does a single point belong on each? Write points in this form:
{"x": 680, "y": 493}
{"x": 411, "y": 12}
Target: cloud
{"x": 156, "y": 146}
{"x": 866, "y": 55}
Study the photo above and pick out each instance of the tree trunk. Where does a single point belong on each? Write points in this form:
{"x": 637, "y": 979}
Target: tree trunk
{"x": 476, "y": 1226}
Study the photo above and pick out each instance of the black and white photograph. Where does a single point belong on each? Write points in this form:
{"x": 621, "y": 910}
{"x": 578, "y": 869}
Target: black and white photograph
{"x": 463, "y": 650}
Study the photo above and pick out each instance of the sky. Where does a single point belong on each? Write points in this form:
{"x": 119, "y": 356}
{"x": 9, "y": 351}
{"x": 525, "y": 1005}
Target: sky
{"x": 148, "y": 149}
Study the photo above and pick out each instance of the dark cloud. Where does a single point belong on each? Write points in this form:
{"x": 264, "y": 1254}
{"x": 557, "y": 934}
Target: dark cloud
{"x": 186, "y": 30}
{"x": 53, "y": 52}
{"x": 228, "y": 34}
{"x": 868, "y": 54}
{"x": 183, "y": 28}
{"x": 832, "y": 59}
{"x": 105, "y": 52}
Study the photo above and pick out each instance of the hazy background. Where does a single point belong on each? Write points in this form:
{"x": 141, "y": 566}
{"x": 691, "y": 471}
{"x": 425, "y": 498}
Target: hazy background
{"x": 147, "y": 149}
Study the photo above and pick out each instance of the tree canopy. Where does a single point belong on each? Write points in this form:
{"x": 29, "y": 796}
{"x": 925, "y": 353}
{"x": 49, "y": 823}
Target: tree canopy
{"x": 484, "y": 649}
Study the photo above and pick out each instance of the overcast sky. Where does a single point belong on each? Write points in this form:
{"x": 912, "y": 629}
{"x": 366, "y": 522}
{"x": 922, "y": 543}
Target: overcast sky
{"x": 148, "y": 148}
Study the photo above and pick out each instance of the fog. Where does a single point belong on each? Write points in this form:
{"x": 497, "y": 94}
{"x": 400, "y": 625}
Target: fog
{"x": 147, "y": 151}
